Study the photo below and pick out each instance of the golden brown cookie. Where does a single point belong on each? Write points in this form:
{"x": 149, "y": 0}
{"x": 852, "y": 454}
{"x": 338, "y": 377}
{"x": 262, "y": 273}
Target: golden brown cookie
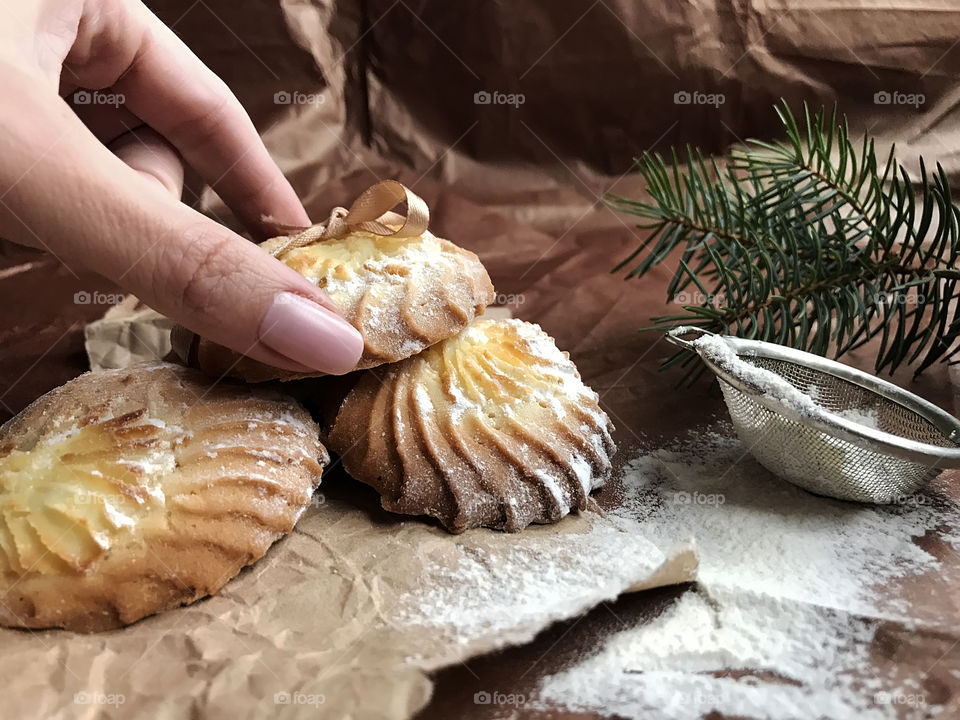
{"x": 127, "y": 492}
{"x": 493, "y": 427}
{"x": 402, "y": 293}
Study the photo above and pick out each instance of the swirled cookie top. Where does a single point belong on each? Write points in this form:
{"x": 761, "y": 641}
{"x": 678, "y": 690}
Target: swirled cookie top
{"x": 403, "y": 294}
{"x": 78, "y": 481}
{"x": 65, "y": 501}
{"x": 491, "y": 427}
{"x": 347, "y": 267}
{"x": 508, "y": 370}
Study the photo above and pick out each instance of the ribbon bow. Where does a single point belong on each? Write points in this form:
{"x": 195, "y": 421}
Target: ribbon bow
{"x": 368, "y": 213}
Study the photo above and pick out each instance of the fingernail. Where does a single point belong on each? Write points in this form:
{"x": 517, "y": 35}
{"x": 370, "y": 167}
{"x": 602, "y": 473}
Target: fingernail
{"x": 310, "y": 334}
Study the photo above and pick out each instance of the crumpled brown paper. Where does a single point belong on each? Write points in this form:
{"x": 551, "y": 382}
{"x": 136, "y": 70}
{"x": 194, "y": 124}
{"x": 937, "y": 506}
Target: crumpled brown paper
{"x": 128, "y": 333}
{"x": 398, "y": 81}
{"x": 343, "y": 618}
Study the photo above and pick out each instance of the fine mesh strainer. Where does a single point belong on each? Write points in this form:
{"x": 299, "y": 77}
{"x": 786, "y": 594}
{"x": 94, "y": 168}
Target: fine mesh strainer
{"x": 861, "y": 439}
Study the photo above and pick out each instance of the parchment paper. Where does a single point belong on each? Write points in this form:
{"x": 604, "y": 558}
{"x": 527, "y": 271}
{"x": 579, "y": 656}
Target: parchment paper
{"x": 127, "y": 334}
{"x": 346, "y": 616}
{"x": 327, "y": 624}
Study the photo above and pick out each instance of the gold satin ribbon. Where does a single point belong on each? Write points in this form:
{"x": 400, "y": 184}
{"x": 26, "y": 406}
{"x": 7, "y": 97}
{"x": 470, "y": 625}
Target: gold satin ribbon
{"x": 366, "y": 214}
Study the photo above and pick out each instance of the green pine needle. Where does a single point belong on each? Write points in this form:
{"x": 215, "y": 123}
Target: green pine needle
{"x": 811, "y": 242}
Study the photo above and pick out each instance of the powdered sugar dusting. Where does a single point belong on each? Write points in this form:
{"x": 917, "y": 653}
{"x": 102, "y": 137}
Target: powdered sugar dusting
{"x": 511, "y": 593}
{"x": 558, "y": 383}
{"x": 838, "y": 553}
{"x": 372, "y": 280}
{"x": 550, "y": 483}
{"x": 867, "y": 418}
{"x": 792, "y": 588}
{"x": 688, "y": 663}
{"x": 512, "y": 369}
{"x": 716, "y": 349}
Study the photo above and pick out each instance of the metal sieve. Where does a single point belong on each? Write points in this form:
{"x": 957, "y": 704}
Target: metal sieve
{"x": 901, "y": 442}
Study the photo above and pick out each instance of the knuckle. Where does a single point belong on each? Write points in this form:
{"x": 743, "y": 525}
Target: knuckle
{"x": 205, "y": 270}
{"x": 205, "y": 126}
{"x": 254, "y": 192}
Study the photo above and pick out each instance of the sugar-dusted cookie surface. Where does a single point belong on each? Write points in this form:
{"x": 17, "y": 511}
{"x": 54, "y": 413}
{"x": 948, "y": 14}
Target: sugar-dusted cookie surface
{"x": 402, "y": 293}
{"x": 492, "y": 427}
{"x": 127, "y": 492}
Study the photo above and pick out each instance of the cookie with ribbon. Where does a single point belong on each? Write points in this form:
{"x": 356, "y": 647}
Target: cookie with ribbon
{"x": 490, "y": 428}
{"x": 127, "y": 492}
{"x": 402, "y": 287}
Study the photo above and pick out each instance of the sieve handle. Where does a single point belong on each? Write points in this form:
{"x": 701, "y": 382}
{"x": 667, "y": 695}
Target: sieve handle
{"x": 679, "y": 336}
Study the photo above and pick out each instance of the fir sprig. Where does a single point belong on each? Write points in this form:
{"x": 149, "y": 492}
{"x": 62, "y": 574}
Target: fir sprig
{"x": 811, "y": 242}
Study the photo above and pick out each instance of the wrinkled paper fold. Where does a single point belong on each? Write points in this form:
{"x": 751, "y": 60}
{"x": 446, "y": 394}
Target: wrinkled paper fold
{"x": 347, "y": 615}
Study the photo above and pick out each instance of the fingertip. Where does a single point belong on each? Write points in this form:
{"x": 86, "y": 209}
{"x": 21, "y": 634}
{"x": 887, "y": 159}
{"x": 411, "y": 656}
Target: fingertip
{"x": 310, "y": 334}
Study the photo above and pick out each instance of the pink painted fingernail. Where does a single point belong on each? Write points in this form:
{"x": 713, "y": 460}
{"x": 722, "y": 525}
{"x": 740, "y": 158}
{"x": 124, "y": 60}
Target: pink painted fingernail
{"x": 310, "y": 334}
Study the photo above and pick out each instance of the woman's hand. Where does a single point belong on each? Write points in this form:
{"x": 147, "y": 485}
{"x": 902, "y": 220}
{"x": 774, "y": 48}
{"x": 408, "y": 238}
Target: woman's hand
{"x": 98, "y": 183}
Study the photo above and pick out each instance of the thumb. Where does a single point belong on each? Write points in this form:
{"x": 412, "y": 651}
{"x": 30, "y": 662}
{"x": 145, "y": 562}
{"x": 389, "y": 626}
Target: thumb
{"x": 78, "y": 200}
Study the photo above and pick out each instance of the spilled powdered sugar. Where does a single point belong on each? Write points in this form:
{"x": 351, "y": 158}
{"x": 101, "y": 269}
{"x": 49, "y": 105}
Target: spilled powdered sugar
{"x": 508, "y": 587}
{"x": 790, "y": 590}
{"x": 799, "y": 662}
{"x": 753, "y": 527}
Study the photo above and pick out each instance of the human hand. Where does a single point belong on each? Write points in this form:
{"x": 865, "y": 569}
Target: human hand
{"x": 99, "y": 185}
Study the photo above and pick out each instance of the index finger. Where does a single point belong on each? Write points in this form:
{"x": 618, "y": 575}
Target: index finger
{"x": 172, "y": 91}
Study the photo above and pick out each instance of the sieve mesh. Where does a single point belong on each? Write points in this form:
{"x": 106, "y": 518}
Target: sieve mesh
{"x": 823, "y": 463}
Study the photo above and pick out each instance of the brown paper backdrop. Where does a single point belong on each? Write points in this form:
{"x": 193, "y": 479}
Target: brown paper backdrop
{"x": 520, "y": 185}
{"x": 598, "y": 76}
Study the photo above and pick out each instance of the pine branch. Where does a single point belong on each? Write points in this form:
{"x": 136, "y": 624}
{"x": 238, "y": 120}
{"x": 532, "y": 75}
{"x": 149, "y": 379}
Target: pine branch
{"x": 811, "y": 242}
